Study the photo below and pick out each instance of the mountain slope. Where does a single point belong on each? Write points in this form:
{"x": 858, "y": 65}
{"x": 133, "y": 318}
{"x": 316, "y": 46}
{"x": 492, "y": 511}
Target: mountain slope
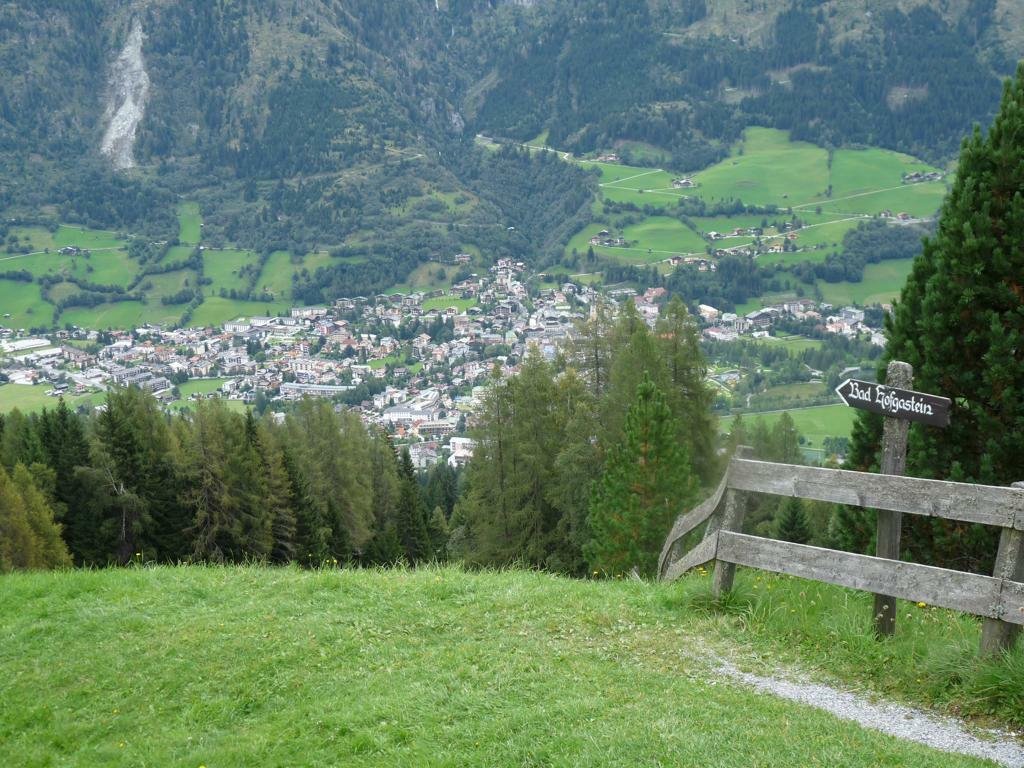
{"x": 314, "y": 123}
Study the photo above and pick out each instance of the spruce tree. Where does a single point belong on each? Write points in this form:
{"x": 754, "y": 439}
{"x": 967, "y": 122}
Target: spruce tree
{"x": 960, "y": 323}
{"x": 412, "y": 514}
{"x": 792, "y": 522}
{"x": 687, "y": 392}
{"x": 646, "y": 484}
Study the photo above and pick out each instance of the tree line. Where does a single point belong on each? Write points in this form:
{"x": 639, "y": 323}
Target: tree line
{"x": 132, "y": 484}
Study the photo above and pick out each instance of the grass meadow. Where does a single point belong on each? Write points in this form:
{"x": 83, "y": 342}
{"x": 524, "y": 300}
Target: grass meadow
{"x": 881, "y": 284}
{"x": 32, "y": 399}
{"x": 239, "y": 666}
{"x": 190, "y": 224}
{"x": 814, "y": 423}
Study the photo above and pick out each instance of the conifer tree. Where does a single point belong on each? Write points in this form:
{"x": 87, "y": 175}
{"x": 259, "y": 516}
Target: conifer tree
{"x": 792, "y": 525}
{"x": 686, "y": 391}
{"x": 647, "y": 482}
{"x": 412, "y": 514}
{"x": 960, "y": 323}
{"x": 29, "y": 536}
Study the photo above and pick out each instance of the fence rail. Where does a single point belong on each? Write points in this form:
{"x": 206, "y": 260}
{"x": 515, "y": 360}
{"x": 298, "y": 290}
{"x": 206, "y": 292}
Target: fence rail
{"x": 998, "y": 598}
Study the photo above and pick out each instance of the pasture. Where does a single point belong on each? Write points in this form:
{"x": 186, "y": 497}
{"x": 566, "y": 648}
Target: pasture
{"x": 881, "y": 284}
{"x": 241, "y": 666}
{"x": 190, "y": 224}
{"x": 222, "y": 266}
{"x": 814, "y": 423}
{"x": 122, "y": 314}
{"x": 25, "y": 305}
{"x": 443, "y": 302}
{"x": 32, "y": 399}
{"x": 216, "y": 311}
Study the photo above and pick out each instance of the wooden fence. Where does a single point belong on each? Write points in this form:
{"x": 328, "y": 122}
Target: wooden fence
{"x": 998, "y": 598}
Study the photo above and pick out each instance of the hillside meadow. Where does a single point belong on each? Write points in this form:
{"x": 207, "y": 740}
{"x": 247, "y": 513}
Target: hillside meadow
{"x": 241, "y": 666}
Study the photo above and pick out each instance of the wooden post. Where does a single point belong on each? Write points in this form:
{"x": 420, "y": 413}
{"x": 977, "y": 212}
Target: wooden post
{"x": 731, "y": 520}
{"x": 996, "y": 635}
{"x": 894, "y": 462}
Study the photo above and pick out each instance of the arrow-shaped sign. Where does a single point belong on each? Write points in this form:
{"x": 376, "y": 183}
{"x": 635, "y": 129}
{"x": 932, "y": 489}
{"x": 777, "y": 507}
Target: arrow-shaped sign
{"x": 895, "y": 403}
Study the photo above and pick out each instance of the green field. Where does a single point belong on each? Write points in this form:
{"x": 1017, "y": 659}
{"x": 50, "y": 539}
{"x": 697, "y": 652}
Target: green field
{"x": 190, "y": 224}
{"x": 222, "y": 267}
{"x": 32, "y": 399}
{"x": 795, "y": 344}
{"x": 25, "y": 305}
{"x": 814, "y": 423}
{"x": 41, "y": 239}
{"x": 195, "y": 387}
{"x": 215, "y": 311}
{"x": 881, "y": 284}
{"x": 443, "y": 302}
{"x": 123, "y": 314}
{"x": 242, "y": 666}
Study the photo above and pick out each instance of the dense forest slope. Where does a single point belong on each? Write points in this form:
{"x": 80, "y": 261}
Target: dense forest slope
{"x": 304, "y": 123}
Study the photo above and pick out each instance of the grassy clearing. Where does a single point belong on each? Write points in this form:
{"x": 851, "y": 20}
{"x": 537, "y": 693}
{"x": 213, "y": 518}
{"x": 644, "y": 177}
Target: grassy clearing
{"x": 919, "y": 200}
{"x": 795, "y": 344}
{"x": 428, "y": 277}
{"x": 767, "y": 168}
{"x": 32, "y": 399}
{"x": 815, "y": 423}
{"x": 122, "y": 314}
{"x": 222, "y": 266}
{"x": 252, "y": 666}
{"x": 195, "y": 387}
{"x": 25, "y": 305}
{"x": 443, "y": 302}
{"x": 215, "y": 311}
{"x": 190, "y": 224}
{"x": 865, "y": 170}
{"x": 881, "y": 284}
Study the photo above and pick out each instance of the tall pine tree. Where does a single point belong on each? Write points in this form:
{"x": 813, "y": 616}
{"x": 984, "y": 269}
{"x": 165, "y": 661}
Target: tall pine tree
{"x": 647, "y": 482}
{"x": 960, "y": 323}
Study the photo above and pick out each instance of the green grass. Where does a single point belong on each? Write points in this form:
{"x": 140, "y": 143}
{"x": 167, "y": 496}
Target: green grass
{"x": 443, "y": 302}
{"x": 771, "y": 169}
{"x": 190, "y": 224}
{"x": 881, "y": 284}
{"x": 83, "y": 237}
{"x": 32, "y": 399}
{"x": 216, "y": 311}
{"x": 24, "y": 302}
{"x": 123, "y": 314}
{"x": 193, "y": 387}
{"x": 209, "y": 666}
{"x": 795, "y": 344}
{"x": 931, "y": 661}
{"x": 222, "y": 266}
{"x": 815, "y": 423}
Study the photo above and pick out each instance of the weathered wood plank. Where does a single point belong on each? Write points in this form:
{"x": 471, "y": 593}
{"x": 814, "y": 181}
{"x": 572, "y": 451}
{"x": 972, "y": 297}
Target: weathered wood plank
{"x": 732, "y": 520}
{"x": 699, "y": 555}
{"x": 889, "y": 523}
{"x": 690, "y": 520}
{"x": 968, "y": 592}
{"x": 991, "y": 505}
{"x": 998, "y": 635}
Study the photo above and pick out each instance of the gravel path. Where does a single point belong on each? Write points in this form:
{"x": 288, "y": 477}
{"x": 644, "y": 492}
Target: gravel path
{"x": 942, "y": 733}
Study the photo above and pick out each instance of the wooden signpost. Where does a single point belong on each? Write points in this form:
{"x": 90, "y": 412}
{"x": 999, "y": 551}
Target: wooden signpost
{"x": 900, "y": 405}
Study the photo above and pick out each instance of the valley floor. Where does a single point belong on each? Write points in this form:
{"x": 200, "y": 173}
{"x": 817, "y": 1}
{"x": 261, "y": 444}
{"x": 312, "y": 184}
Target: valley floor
{"x": 212, "y": 666}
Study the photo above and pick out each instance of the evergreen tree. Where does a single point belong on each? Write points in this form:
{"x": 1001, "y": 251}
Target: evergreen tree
{"x": 29, "y": 536}
{"x": 792, "y": 522}
{"x": 960, "y": 323}
{"x": 411, "y": 514}
{"x": 646, "y": 484}
{"x": 687, "y": 393}
{"x": 635, "y": 358}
